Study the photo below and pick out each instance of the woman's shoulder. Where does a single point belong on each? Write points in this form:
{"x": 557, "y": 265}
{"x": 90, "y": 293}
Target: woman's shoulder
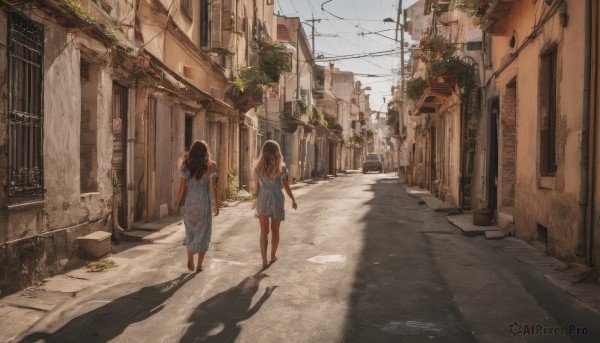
{"x": 184, "y": 172}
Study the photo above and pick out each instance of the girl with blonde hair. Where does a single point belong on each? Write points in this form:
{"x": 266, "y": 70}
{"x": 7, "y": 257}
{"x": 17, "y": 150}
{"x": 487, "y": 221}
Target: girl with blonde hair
{"x": 270, "y": 175}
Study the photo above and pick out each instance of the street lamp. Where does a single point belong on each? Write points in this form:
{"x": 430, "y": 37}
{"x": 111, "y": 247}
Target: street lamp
{"x": 401, "y": 27}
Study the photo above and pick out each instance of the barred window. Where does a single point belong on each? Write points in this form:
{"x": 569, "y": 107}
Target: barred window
{"x": 25, "y": 108}
{"x": 187, "y": 8}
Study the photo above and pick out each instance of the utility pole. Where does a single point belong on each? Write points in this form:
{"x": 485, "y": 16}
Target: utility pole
{"x": 401, "y": 114}
{"x": 312, "y": 34}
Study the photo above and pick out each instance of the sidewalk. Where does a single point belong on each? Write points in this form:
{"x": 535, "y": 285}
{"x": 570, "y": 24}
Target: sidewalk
{"x": 577, "y": 280}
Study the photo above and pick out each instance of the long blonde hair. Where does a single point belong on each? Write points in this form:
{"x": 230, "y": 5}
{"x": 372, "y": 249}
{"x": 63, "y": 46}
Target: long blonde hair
{"x": 270, "y": 161}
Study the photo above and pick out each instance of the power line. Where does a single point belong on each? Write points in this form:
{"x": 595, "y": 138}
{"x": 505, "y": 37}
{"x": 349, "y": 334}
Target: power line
{"x": 351, "y": 56}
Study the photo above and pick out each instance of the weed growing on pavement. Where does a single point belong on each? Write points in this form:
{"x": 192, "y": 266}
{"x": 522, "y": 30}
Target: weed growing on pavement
{"x": 98, "y": 266}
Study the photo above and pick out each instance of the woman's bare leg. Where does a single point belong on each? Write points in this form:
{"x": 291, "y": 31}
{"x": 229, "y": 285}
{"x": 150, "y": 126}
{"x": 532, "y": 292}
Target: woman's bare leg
{"x": 190, "y": 261}
{"x": 200, "y": 260}
{"x": 275, "y": 223}
{"x": 264, "y": 238}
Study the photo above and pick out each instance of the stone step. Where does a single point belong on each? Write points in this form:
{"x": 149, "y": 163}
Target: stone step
{"x": 94, "y": 245}
{"x": 494, "y": 235}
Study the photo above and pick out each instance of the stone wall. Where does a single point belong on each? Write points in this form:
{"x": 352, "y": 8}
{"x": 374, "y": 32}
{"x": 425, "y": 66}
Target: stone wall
{"x": 508, "y": 123}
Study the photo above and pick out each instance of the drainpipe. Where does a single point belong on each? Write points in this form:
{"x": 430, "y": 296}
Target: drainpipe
{"x": 582, "y": 246}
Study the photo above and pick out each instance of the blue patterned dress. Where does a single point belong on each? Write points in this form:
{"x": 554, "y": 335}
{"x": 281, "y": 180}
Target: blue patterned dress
{"x": 197, "y": 212}
{"x": 270, "y": 200}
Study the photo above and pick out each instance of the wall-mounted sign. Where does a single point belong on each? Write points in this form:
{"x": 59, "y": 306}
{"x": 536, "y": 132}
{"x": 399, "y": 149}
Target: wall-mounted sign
{"x": 473, "y": 46}
{"x": 248, "y": 120}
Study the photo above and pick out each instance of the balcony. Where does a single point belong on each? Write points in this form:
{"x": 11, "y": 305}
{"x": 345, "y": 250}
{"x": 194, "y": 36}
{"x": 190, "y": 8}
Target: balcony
{"x": 496, "y": 17}
{"x": 442, "y": 85}
{"x": 429, "y": 103}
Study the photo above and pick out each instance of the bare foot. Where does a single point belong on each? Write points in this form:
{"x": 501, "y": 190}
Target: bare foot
{"x": 191, "y": 265}
{"x": 273, "y": 260}
{"x": 199, "y": 269}
{"x": 265, "y": 265}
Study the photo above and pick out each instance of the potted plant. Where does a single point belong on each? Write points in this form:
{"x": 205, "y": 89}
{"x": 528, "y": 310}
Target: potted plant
{"x": 302, "y": 105}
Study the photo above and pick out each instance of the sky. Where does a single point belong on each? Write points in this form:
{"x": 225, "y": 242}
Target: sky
{"x": 351, "y": 27}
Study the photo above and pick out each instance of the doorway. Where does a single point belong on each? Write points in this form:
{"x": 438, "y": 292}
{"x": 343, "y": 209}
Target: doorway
{"x": 433, "y": 147}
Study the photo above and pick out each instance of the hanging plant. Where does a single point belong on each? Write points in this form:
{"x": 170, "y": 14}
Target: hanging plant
{"x": 451, "y": 66}
{"x": 436, "y": 47}
{"x": 438, "y": 7}
{"x": 329, "y": 121}
{"x": 415, "y": 88}
{"x": 274, "y": 61}
{"x": 288, "y": 123}
{"x": 315, "y": 117}
{"x": 356, "y": 139}
{"x": 320, "y": 76}
{"x": 472, "y": 7}
{"x": 393, "y": 119}
{"x": 302, "y": 105}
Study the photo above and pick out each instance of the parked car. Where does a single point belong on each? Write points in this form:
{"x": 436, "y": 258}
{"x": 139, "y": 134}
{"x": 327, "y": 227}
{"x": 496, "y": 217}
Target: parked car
{"x": 372, "y": 162}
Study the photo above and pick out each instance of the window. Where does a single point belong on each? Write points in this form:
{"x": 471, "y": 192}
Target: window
{"x": 547, "y": 113}
{"x": 88, "y": 138}
{"x": 204, "y": 24}
{"x": 187, "y": 8}
{"x": 25, "y": 109}
{"x": 188, "y": 132}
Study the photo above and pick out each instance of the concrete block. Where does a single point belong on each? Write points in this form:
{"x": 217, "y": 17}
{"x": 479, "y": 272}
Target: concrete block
{"x": 164, "y": 211}
{"x": 73, "y": 233}
{"x": 94, "y": 245}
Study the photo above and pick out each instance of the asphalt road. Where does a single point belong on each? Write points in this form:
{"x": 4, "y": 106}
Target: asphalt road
{"x": 359, "y": 261}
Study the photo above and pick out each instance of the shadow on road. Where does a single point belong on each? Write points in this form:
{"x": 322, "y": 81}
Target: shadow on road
{"x": 110, "y": 320}
{"x": 398, "y": 295}
{"x": 217, "y": 319}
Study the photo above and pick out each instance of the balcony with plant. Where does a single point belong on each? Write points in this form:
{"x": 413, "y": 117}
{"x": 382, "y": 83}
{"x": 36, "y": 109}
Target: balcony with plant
{"x": 415, "y": 88}
{"x": 357, "y": 140}
{"x": 435, "y": 47}
{"x": 275, "y": 60}
{"x": 393, "y": 119}
{"x": 247, "y": 89}
{"x": 472, "y": 7}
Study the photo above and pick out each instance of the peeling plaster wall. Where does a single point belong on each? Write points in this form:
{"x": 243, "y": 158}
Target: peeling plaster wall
{"x": 548, "y": 201}
{"x": 37, "y": 241}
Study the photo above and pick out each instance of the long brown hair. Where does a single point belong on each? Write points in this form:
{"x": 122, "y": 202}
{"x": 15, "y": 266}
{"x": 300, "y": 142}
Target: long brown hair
{"x": 270, "y": 161}
{"x": 197, "y": 159}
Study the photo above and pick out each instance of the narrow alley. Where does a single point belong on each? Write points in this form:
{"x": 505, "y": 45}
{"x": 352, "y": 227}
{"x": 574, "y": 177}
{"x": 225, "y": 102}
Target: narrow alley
{"x": 359, "y": 261}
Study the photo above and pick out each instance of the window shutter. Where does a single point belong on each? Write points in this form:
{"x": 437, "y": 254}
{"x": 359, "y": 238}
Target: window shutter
{"x": 216, "y": 25}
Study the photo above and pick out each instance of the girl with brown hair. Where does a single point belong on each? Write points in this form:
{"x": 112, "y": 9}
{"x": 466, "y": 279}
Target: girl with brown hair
{"x": 198, "y": 174}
